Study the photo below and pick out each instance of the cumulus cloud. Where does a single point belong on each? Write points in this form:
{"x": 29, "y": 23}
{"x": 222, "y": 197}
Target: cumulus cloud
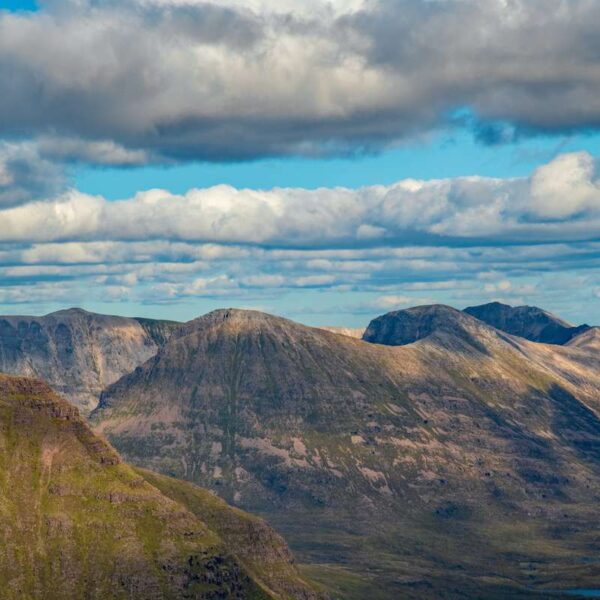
{"x": 559, "y": 202}
{"x": 565, "y": 187}
{"x": 186, "y": 79}
{"x": 459, "y": 240}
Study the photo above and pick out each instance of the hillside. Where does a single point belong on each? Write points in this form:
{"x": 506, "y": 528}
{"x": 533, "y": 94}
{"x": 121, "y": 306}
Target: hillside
{"x": 77, "y": 352}
{"x": 529, "y": 322}
{"x": 76, "y": 522}
{"x": 347, "y": 331}
{"x": 457, "y": 465}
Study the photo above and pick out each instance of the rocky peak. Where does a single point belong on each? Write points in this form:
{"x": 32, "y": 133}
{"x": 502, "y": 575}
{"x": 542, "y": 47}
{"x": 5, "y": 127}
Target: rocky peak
{"x": 529, "y": 322}
{"x": 403, "y": 327}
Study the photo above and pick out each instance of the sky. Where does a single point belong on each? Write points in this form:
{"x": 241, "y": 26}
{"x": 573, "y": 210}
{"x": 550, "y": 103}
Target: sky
{"x": 325, "y": 161}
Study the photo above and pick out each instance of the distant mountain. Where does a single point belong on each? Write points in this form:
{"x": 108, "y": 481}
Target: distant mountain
{"x": 78, "y": 353}
{"x": 76, "y": 522}
{"x": 348, "y": 331}
{"x": 528, "y": 322}
{"x": 463, "y": 463}
{"x": 407, "y": 326}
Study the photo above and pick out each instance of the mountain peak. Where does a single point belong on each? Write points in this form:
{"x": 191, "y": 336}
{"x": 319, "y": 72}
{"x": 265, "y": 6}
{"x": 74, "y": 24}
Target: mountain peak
{"x": 402, "y": 327}
{"x": 529, "y": 322}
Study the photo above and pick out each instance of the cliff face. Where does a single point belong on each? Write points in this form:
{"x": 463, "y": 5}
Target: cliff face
{"x": 76, "y": 522}
{"x": 423, "y": 463}
{"x": 528, "y": 322}
{"x": 77, "y": 352}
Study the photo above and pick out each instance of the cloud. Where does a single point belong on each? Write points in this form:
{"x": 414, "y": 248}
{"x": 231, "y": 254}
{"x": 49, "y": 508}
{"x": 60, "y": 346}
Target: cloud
{"x": 99, "y": 152}
{"x": 534, "y": 239}
{"x": 146, "y": 80}
{"x": 565, "y": 187}
{"x": 26, "y": 176}
{"x": 559, "y": 202}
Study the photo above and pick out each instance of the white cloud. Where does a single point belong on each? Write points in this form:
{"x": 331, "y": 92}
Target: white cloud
{"x": 566, "y": 186}
{"x": 467, "y": 209}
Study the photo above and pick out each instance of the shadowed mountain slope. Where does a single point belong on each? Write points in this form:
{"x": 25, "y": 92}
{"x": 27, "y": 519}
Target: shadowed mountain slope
{"x": 78, "y": 353}
{"x": 465, "y": 464}
{"x": 407, "y": 326}
{"x": 528, "y": 322}
{"x": 76, "y": 522}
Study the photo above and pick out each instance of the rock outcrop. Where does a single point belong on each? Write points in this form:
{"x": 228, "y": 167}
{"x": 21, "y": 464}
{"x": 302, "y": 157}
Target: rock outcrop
{"x": 78, "y": 353}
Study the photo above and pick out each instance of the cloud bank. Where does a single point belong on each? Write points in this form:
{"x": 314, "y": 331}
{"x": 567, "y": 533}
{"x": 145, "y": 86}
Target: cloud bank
{"x": 517, "y": 239}
{"x": 154, "y": 80}
{"x": 560, "y": 202}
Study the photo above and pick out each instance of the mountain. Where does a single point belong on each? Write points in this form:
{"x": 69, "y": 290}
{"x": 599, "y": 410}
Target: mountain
{"x": 588, "y": 340}
{"x": 403, "y": 327}
{"x": 463, "y": 464}
{"x": 528, "y": 322}
{"x": 77, "y": 352}
{"x": 77, "y": 522}
{"x": 348, "y": 331}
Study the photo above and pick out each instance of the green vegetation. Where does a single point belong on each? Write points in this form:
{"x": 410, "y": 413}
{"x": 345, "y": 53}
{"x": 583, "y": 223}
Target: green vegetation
{"x": 76, "y": 522}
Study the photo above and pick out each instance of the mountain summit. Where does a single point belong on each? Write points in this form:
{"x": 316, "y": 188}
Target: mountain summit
{"x": 411, "y": 325}
{"x": 528, "y": 322}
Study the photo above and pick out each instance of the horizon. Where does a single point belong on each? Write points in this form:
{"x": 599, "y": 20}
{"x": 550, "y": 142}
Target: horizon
{"x": 326, "y": 324}
{"x": 295, "y": 159}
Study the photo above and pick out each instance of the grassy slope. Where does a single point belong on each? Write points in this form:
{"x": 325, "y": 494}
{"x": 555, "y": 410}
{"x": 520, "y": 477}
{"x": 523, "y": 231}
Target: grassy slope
{"x": 261, "y": 551}
{"x": 76, "y": 522}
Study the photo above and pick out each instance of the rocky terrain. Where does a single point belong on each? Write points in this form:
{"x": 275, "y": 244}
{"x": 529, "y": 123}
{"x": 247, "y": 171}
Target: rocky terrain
{"x": 77, "y": 522}
{"x": 529, "y": 322}
{"x": 78, "y": 353}
{"x": 442, "y": 458}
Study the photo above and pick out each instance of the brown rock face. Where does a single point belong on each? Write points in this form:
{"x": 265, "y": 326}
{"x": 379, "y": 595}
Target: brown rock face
{"x": 77, "y": 352}
{"x": 465, "y": 464}
{"x": 76, "y": 522}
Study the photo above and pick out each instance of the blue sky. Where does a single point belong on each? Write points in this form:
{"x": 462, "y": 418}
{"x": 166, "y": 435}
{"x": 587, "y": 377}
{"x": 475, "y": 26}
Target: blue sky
{"x": 329, "y": 119}
{"x": 446, "y": 154}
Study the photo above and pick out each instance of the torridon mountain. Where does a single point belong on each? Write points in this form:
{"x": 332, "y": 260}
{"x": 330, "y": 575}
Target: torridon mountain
{"x": 442, "y": 458}
{"x": 78, "y": 523}
{"x": 529, "y": 322}
{"x": 78, "y": 353}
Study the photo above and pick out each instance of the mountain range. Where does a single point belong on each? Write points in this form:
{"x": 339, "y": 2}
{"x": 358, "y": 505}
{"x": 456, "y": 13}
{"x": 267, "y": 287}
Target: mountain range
{"x": 441, "y": 456}
{"x": 407, "y": 463}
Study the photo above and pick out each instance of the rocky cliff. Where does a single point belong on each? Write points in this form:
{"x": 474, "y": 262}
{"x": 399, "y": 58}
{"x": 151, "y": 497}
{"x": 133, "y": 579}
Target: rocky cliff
{"x": 78, "y": 353}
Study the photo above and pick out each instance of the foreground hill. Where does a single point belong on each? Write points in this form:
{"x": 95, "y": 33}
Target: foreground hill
{"x": 77, "y": 352}
{"x": 528, "y": 322}
{"x": 76, "y": 522}
{"x": 464, "y": 464}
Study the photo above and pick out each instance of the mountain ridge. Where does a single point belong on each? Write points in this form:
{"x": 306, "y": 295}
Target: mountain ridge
{"x": 359, "y": 450}
{"x": 529, "y": 322}
{"x": 79, "y": 353}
